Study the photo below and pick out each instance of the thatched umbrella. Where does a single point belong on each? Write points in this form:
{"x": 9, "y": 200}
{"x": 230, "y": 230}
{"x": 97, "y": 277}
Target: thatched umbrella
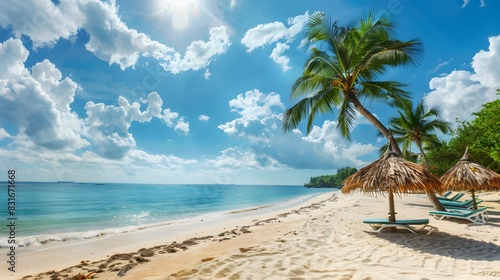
{"x": 392, "y": 174}
{"x": 470, "y": 176}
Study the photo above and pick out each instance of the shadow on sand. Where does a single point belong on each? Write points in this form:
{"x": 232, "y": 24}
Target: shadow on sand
{"x": 444, "y": 244}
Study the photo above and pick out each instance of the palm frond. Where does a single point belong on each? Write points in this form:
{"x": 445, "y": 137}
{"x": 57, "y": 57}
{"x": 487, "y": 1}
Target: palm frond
{"x": 346, "y": 118}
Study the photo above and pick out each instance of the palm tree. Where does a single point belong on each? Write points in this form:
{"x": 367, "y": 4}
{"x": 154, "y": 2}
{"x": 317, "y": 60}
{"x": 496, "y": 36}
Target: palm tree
{"x": 418, "y": 126}
{"x": 346, "y": 72}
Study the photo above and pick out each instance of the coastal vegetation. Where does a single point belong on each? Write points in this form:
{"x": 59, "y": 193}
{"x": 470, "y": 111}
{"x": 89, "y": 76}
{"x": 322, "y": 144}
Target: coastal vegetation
{"x": 331, "y": 181}
{"x": 481, "y": 136}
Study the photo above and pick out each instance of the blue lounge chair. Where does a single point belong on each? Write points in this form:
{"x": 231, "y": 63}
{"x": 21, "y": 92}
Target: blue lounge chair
{"x": 467, "y": 211}
{"x": 476, "y": 216}
{"x": 446, "y": 194}
{"x": 460, "y": 204}
{"x": 453, "y": 198}
{"x": 380, "y": 224}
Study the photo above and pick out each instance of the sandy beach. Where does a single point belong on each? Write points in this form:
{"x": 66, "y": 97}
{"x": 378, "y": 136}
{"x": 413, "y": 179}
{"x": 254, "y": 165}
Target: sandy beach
{"x": 322, "y": 238}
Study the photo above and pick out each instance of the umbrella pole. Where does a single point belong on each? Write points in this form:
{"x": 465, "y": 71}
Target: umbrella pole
{"x": 473, "y": 194}
{"x": 392, "y": 212}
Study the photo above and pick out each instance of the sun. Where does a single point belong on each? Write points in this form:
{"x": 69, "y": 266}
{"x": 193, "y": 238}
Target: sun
{"x": 180, "y": 12}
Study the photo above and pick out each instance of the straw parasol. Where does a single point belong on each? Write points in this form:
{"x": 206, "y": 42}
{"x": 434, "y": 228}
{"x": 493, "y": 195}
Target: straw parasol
{"x": 392, "y": 174}
{"x": 470, "y": 176}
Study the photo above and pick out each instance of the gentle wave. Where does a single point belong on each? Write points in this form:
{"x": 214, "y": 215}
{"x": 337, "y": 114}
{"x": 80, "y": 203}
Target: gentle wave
{"x": 45, "y": 239}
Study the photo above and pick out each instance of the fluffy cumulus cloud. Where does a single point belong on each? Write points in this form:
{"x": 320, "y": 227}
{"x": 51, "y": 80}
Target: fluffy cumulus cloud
{"x": 108, "y": 125}
{"x": 255, "y": 108}
{"x": 37, "y": 102}
{"x": 278, "y": 57}
{"x": 264, "y": 145}
{"x": 461, "y": 93}
{"x": 199, "y": 54}
{"x": 42, "y": 21}
{"x": 204, "y": 118}
{"x": 270, "y": 33}
{"x": 4, "y": 134}
{"x": 111, "y": 40}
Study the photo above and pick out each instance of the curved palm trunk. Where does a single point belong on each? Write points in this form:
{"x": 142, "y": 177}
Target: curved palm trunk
{"x": 378, "y": 125}
{"x": 387, "y": 134}
{"x": 432, "y": 196}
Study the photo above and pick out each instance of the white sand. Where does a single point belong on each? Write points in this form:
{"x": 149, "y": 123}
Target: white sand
{"x": 324, "y": 241}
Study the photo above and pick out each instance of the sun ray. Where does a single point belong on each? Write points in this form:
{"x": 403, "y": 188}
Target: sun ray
{"x": 181, "y": 12}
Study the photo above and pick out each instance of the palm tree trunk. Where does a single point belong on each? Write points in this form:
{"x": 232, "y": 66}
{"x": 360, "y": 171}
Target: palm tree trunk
{"x": 387, "y": 134}
{"x": 378, "y": 125}
{"x": 432, "y": 196}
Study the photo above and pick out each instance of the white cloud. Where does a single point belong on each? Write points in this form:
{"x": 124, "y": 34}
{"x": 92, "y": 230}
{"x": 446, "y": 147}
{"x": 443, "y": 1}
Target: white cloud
{"x": 182, "y": 125}
{"x": 264, "y": 34}
{"x": 41, "y": 20}
{"x": 460, "y": 93}
{"x": 199, "y": 54}
{"x": 108, "y": 126}
{"x": 37, "y": 103}
{"x": 232, "y": 4}
{"x": 4, "y": 134}
{"x": 439, "y": 66}
{"x": 269, "y": 33}
{"x": 207, "y": 74}
{"x": 466, "y": 2}
{"x": 160, "y": 161}
{"x": 233, "y": 158}
{"x": 486, "y": 64}
{"x": 266, "y": 146}
{"x": 168, "y": 117}
{"x": 133, "y": 110}
{"x": 135, "y": 166}
{"x": 203, "y": 118}
{"x": 110, "y": 39}
{"x": 278, "y": 58}
{"x": 254, "y": 107}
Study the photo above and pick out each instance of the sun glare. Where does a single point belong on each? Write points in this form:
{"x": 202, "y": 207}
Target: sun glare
{"x": 181, "y": 12}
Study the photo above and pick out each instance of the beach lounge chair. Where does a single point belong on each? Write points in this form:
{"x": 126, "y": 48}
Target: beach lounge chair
{"x": 453, "y": 198}
{"x": 461, "y": 210}
{"x": 380, "y": 224}
{"x": 460, "y": 204}
{"x": 476, "y": 216}
{"x": 446, "y": 194}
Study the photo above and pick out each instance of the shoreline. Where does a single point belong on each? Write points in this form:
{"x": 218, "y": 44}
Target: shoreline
{"x": 61, "y": 238}
{"x": 320, "y": 238}
{"x": 36, "y": 259}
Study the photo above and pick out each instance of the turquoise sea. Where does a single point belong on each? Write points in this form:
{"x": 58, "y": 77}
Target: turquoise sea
{"x": 62, "y": 211}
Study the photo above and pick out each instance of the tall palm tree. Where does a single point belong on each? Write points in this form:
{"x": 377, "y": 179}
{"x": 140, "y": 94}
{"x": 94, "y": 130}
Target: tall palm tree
{"x": 418, "y": 126}
{"x": 346, "y": 72}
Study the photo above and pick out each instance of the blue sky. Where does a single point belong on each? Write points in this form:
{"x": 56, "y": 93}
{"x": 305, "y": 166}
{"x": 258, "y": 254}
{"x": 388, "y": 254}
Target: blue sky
{"x": 192, "y": 91}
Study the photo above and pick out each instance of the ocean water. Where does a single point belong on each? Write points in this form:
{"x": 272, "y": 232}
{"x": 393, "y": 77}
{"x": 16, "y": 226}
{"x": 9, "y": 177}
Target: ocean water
{"x": 58, "y": 212}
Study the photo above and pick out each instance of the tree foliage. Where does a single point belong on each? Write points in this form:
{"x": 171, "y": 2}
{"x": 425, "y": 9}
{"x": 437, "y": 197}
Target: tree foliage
{"x": 481, "y": 135}
{"x": 331, "y": 181}
{"x": 347, "y": 70}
